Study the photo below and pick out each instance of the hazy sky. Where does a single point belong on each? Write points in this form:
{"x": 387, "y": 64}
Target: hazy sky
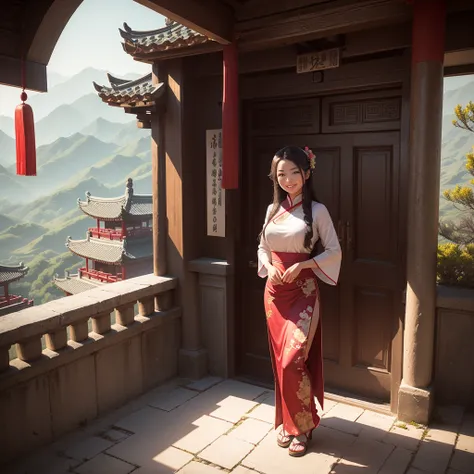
{"x": 91, "y": 39}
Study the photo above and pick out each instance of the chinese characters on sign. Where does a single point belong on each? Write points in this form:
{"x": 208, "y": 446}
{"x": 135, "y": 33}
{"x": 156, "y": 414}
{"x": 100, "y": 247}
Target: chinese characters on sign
{"x": 215, "y": 193}
{"x": 317, "y": 61}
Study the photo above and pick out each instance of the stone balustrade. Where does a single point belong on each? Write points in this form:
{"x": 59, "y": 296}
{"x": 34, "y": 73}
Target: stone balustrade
{"x": 65, "y": 375}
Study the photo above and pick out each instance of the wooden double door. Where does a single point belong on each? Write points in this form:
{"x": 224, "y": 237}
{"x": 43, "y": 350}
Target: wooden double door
{"x": 357, "y": 177}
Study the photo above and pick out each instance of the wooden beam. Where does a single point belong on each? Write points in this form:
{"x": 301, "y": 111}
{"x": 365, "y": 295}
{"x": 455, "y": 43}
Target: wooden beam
{"x": 338, "y": 17}
{"x": 210, "y": 17}
{"x": 10, "y": 74}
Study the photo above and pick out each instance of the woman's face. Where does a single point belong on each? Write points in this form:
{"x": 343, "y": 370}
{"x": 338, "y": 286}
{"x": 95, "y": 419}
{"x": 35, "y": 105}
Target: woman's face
{"x": 289, "y": 177}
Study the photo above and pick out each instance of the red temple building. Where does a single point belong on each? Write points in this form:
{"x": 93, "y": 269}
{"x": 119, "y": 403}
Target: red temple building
{"x": 10, "y": 303}
{"x": 119, "y": 247}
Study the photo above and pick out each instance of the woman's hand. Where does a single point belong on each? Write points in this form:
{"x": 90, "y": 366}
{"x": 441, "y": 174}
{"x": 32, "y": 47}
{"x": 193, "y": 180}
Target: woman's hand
{"x": 291, "y": 273}
{"x": 274, "y": 275}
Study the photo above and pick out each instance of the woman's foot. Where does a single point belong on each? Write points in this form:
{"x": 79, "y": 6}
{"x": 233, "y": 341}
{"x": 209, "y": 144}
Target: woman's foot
{"x": 283, "y": 438}
{"x": 299, "y": 444}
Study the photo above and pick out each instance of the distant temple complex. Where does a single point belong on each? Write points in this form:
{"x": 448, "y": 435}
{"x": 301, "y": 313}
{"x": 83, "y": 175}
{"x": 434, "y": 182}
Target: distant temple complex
{"x": 10, "y": 303}
{"x": 119, "y": 247}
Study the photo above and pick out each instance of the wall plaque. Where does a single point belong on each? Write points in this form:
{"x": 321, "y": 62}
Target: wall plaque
{"x": 317, "y": 61}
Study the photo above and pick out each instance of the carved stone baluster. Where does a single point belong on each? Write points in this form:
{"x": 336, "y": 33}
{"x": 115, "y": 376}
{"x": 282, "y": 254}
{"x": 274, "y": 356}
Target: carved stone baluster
{"x": 29, "y": 349}
{"x": 57, "y": 340}
{"x": 80, "y": 331}
{"x": 164, "y": 301}
{"x": 125, "y": 315}
{"x": 101, "y": 323}
{"x": 146, "y": 306}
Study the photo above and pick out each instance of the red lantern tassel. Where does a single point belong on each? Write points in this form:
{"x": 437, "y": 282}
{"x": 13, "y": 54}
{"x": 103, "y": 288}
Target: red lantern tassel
{"x": 25, "y": 139}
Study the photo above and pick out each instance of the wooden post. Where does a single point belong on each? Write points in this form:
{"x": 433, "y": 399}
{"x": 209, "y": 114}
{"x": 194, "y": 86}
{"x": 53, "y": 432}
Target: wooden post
{"x": 230, "y": 119}
{"x": 87, "y": 264}
{"x": 158, "y": 174}
{"x": 124, "y": 229}
{"x": 426, "y": 102}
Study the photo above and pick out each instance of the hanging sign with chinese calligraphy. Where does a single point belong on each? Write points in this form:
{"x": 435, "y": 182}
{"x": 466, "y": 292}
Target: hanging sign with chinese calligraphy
{"x": 215, "y": 193}
{"x": 317, "y": 61}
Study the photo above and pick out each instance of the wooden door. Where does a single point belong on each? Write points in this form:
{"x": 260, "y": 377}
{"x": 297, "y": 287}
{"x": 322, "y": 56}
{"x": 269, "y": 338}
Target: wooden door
{"x": 357, "y": 178}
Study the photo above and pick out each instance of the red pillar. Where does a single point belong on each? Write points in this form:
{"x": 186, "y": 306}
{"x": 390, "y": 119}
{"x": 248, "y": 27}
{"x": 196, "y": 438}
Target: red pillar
{"x": 87, "y": 264}
{"x": 123, "y": 272}
{"x": 230, "y": 119}
{"x": 124, "y": 230}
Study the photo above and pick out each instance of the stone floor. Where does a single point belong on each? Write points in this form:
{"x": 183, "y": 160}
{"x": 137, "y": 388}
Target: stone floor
{"x": 214, "y": 426}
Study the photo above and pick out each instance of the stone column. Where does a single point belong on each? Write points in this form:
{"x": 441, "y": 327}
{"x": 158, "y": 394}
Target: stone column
{"x": 426, "y": 102}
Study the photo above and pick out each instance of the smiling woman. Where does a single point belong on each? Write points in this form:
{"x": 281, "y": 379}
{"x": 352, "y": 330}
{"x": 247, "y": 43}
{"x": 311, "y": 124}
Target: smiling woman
{"x": 294, "y": 223}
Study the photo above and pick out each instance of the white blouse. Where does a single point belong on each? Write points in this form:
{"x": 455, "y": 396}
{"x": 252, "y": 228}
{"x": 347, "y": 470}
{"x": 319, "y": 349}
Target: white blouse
{"x": 286, "y": 232}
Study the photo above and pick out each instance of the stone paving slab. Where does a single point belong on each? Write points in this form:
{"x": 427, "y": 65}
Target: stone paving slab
{"x": 103, "y": 463}
{"x": 215, "y": 426}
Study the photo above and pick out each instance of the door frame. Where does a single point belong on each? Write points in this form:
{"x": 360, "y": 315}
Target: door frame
{"x": 397, "y": 341}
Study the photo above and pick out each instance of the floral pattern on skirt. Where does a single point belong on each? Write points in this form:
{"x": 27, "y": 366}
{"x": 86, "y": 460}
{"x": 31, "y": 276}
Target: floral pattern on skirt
{"x": 293, "y": 330}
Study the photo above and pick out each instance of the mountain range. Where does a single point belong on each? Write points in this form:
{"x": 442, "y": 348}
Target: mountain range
{"x": 86, "y": 146}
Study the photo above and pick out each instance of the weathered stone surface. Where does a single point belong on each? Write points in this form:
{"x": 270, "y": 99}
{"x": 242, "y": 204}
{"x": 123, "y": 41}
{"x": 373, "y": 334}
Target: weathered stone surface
{"x": 146, "y": 306}
{"x": 88, "y": 448}
{"x": 375, "y": 425}
{"x": 101, "y": 323}
{"x": 169, "y": 400}
{"x": 404, "y": 435}
{"x": 252, "y": 431}
{"x": 342, "y": 417}
{"x": 79, "y": 331}
{"x": 102, "y": 464}
{"x": 119, "y": 374}
{"x": 125, "y": 315}
{"x": 226, "y": 452}
{"x": 29, "y": 350}
{"x": 25, "y": 410}
{"x": 56, "y": 340}
{"x": 397, "y": 462}
{"x": 199, "y": 468}
{"x": 73, "y": 394}
{"x": 204, "y": 383}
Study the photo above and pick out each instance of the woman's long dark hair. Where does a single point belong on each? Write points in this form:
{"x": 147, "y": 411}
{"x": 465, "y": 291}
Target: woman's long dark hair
{"x": 299, "y": 157}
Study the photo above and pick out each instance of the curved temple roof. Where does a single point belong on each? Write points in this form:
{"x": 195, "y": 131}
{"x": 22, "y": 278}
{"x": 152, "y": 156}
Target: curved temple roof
{"x": 172, "y": 36}
{"x": 131, "y": 206}
{"x": 73, "y": 284}
{"x": 125, "y": 93}
{"x": 10, "y": 273}
{"x": 111, "y": 251}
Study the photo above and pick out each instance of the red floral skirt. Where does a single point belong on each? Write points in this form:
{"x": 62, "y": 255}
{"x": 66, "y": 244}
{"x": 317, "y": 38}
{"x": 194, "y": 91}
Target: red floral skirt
{"x": 294, "y": 333}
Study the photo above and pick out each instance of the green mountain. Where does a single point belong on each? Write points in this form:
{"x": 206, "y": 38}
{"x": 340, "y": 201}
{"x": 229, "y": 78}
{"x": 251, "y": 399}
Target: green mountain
{"x": 68, "y": 90}
{"x": 131, "y": 134}
{"x": 79, "y": 152}
{"x": 16, "y": 236}
{"x": 55, "y": 239}
{"x": 45, "y": 209}
{"x": 7, "y": 149}
{"x": 140, "y": 147}
{"x": 13, "y": 187}
{"x": 103, "y": 129}
{"x": 38, "y": 283}
{"x": 111, "y": 170}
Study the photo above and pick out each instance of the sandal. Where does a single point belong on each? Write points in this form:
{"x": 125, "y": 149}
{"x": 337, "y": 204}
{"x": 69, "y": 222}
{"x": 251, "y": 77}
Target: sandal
{"x": 284, "y": 439}
{"x": 299, "y": 447}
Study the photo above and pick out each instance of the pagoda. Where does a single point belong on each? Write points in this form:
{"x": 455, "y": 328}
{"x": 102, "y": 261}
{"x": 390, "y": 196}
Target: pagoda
{"x": 10, "y": 303}
{"x": 119, "y": 247}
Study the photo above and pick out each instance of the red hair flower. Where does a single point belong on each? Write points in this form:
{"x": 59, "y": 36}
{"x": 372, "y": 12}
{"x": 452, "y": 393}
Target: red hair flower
{"x": 311, "y": 157}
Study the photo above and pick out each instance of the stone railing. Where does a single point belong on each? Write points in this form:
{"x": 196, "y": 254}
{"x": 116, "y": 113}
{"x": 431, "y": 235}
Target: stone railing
{"x": 73, "y": 364}
{"x": 454, "y": 350}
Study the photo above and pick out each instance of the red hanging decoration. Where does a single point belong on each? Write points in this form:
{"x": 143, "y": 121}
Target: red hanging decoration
{"x": 25, "y": 135}
{"x": 230, "y": 119}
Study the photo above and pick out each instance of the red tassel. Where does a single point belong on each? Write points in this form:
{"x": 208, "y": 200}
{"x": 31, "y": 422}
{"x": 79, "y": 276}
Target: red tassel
{"x": 25, "y": 139}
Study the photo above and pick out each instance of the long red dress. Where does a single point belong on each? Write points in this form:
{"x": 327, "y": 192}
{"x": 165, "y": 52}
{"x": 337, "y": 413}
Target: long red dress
{"x": 292, "y": 312}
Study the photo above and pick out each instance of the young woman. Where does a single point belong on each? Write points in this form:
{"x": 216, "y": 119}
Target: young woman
{"x": 293, "y": 224}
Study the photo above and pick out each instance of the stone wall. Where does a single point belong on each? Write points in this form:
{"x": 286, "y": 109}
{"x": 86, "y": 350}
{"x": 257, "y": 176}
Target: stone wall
{"x": 454, "y": 356}
{"x": 80, "y": 375}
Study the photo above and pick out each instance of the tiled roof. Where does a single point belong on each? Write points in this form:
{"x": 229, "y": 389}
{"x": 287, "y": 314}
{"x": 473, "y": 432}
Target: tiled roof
{"x": 111, "y": 251}
{"x": 124, "y": 93}
{"x": 172, "y": 36}
{"x": 12, "y": 273}
{"x": 73, "y": 284}
{"x": 124, "y": 207}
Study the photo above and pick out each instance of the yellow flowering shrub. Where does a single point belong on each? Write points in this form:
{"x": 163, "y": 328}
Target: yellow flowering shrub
{"x": 456, "y": 265}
